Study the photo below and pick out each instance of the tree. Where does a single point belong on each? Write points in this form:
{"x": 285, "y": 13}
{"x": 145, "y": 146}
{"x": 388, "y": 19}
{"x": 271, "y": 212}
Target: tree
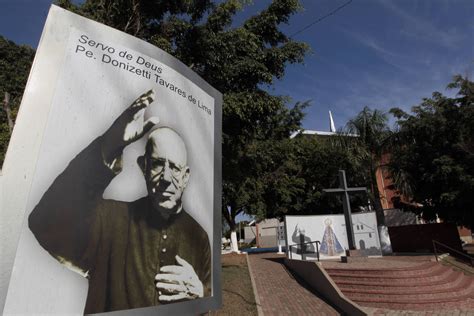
{"x": 373, "y": 137}
{"x": 433, "y": 162}
{"x": 302, "y": 168}
{"x": 15, "y": 63}
{"x": 237, "y": 60}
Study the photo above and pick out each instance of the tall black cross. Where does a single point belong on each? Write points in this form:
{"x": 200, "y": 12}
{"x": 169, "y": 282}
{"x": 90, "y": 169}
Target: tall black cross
{"x": 347, "y": 206}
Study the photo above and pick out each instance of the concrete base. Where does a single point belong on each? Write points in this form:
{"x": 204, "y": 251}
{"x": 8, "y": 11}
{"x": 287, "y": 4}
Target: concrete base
{"x": 279, "y": 250}
{"x": 354, "y": 255}
{"x": 346, "y": 259}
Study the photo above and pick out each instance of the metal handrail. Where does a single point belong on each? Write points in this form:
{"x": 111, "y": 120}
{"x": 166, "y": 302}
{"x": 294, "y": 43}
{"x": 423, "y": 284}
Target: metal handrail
{"x": 470, "y": 258}
{"x": 317, "y": 242}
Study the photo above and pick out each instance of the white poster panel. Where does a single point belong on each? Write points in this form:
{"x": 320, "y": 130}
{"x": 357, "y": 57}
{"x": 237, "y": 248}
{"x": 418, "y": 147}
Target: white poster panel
{"x": 123, "y": 210}
{"x": 330, "y": 231}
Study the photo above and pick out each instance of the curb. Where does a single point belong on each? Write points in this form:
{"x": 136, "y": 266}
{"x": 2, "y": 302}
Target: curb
{"x": 254, "y": 287}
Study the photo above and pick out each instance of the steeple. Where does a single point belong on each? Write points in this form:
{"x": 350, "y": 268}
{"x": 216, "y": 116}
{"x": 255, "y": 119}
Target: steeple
{"x": 332, "y": 127}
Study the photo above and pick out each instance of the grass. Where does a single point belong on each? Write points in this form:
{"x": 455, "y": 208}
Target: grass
{"x": 237, "y": 292}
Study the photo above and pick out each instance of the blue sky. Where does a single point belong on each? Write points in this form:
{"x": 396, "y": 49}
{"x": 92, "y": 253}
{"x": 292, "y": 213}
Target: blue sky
{"x": 376, "y": 53}
{"x": 379, "y": 53}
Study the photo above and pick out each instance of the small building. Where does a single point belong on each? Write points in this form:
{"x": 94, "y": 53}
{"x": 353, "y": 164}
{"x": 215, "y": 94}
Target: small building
{"x": 265, "y": 234}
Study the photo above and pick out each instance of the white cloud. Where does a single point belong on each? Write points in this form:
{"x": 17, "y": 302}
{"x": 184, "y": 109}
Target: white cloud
{"x": 383, "y": 92}
{"x": 422, "y": 29}
{"x": 390, "y": 57}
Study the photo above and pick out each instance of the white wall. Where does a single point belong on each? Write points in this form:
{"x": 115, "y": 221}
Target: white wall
{"x": 20, "y": 161}
{"x": 315, "y": 226}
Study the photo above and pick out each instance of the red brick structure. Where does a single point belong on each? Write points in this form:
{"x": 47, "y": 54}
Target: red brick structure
{"x": 465, "y": 234}
{"x": 385, "y": 184}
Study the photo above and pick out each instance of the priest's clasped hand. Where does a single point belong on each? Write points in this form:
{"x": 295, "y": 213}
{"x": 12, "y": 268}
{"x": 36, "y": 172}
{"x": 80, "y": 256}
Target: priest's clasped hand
{"x": 178, "y": 282}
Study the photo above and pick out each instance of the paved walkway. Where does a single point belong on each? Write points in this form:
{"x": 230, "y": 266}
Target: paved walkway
{"x": 279, "y": 293}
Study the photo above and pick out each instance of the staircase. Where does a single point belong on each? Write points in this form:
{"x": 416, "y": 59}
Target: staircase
{"x": 424, "y": 286}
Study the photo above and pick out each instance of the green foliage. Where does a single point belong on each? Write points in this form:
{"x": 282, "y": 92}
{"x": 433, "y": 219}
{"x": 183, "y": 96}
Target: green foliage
{"x": 238, "y": 61}
{"x": 371, "y": 126}
{"x": 295, "y": 172}
{"x": 373, "y": 140}
{"x": 15, "y": 63}
{"x": 433, "y": 162}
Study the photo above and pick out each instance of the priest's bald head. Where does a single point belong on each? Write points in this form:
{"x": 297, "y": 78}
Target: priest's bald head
{"x": 165, "y": 169}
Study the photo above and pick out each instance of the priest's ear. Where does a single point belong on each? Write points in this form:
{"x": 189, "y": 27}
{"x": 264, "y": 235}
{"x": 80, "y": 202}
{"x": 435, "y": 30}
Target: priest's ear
{"x": 185, "y": 176}
{"x": 141, "y": 161}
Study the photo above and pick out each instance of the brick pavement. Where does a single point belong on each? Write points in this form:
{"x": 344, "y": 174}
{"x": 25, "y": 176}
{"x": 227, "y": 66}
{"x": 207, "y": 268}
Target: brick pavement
{"x": 279, "y": 292}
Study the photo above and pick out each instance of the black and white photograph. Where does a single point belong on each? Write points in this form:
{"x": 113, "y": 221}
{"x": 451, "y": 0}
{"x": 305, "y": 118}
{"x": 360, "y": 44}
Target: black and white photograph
{"x": 121, "y": 213}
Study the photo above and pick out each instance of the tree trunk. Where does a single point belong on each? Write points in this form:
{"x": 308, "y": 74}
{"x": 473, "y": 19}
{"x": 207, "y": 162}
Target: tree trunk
{"x": 234, "y": 245}
{"x": 230, "y": 218}
{"x": 6, "y": 106}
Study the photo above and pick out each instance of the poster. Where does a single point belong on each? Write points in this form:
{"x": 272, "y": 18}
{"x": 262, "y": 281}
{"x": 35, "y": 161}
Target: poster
{"x": 330, "y": 231}
{"x": 123, "y": 212}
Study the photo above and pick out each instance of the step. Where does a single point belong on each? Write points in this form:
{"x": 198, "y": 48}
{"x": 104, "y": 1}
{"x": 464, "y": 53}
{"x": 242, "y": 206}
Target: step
{"x": 405, "y": 271}
{"x": 445, "y": 275}
{"x": 388, "y": 274}
{"x": 461, "y": 304}
{"x": 408, "y": 298}
{"x": 460, "y": 281}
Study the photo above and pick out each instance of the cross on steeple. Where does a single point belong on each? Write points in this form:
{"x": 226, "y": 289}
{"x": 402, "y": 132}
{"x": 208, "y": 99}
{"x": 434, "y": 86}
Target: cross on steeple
{"x": 346, "y": 205}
